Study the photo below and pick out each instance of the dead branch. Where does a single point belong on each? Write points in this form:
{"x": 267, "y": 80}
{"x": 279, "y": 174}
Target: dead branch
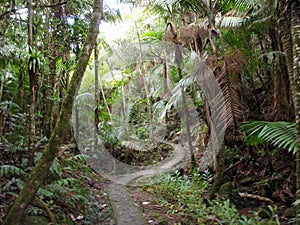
{"x": 256, "y": 197}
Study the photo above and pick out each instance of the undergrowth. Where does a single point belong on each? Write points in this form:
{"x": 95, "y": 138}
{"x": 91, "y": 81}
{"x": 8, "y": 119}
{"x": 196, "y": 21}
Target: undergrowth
{"x": 67, "y": 191}
{"x": 185, "y": 197}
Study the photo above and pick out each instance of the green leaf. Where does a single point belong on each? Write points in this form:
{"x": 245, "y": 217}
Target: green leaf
{"x": 279, "y": 134}
{"x": 6, "y": 170}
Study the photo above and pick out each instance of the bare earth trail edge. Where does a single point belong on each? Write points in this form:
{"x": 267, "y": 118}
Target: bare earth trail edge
{"x": 125, "y": 210}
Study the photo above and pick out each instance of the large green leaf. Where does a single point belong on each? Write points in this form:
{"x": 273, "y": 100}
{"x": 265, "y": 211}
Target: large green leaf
{"x": 280, "y": 134}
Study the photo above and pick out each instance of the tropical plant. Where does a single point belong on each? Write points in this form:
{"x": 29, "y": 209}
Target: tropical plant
{"x": 279, "y": 134}
{"x": 187, "y": 204}
{"x": 40, "y": 171}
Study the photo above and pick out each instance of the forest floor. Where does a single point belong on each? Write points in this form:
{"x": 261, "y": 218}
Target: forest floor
{"x": 134, "y": 206}
{"x": 109, "y": 203}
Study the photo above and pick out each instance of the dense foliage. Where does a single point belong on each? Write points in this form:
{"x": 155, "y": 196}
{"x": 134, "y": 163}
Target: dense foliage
{"x": 141, "y": 96}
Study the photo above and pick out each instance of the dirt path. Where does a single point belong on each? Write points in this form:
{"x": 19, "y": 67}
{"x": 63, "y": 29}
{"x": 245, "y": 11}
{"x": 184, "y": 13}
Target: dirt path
{"x": 125, "y": 210}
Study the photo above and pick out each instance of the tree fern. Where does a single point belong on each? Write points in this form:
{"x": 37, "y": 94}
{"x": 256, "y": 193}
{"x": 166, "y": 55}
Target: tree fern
{"x": 279, "y": 134}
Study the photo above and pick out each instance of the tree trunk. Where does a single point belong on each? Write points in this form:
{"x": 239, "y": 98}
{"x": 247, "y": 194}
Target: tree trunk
{"x": 96, "y": 95}
{"x": 33, "y": 78}
{"x": 56, "y": 49}
{"x": 295, "y": 24}
{"x": 21, "y": 91}
{"x": 39, "y": 172}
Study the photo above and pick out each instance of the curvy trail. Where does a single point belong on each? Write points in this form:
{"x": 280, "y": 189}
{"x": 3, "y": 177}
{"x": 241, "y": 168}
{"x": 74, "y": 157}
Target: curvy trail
{"x": 125, "y": 210}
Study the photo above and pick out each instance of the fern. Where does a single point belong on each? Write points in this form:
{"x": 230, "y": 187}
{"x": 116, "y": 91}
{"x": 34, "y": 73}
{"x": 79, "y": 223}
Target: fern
{"x": 45, "y": 193}
{"x": 52, "y": 190}
{"x": 279, "y": 134}
{"x": 56, "y": 188}
{"x": 297, "y": 202}
{"x": 55, "y": 168}
{"x": 9, "y": 170}
{"x": 79, "y": 157}
{"x": 13, "y": 182}
{"x": 67, "y": 181}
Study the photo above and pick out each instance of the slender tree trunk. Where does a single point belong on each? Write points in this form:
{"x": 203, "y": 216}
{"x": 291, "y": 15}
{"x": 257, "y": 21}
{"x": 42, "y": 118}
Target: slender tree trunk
{"x": 47, "y": 123}
{"x": 33, "y": 78}
{"x": 39, "y": 172}
{"x": 21, "y": 90}
{"x": 56, "y": 49}
{"x": 188, "y": 128}
{"x": 96, "y": 95}
{"x": 2, "y": 82}
{"x": 1, "y": 94}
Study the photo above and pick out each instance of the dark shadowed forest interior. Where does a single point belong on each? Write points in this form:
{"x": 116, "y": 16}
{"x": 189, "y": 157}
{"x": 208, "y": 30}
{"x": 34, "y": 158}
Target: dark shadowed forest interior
{"x": 163, "y": 112}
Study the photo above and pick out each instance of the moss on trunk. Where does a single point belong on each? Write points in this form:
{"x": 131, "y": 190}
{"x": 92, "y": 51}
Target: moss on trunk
{"x": 218, "y": 181}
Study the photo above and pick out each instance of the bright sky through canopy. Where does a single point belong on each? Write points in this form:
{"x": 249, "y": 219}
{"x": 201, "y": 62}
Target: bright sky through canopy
{"x": 113, "y": 31}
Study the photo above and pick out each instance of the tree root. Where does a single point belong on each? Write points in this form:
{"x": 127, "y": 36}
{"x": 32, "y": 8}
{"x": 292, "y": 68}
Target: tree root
{"x": 42, "y": 205}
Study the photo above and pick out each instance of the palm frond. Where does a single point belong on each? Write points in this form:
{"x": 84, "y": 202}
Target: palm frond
{"x": 246, "y": 4}
{"x": 176, "y": 97}
{"x": 232, "y": 21}
{"x": 297, "y": 202}
{"x": 279, "y": 134}
{"x": 271, "y": 54}
{"x": 232, "y": 102}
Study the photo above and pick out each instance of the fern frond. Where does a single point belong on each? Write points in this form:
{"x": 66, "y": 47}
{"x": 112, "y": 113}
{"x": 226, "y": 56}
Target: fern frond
{"x": 42, "y": 192}
{"x": 9, "y": 170}
{"x": 297, "y": 202}
{"x": 67, "y": 181}
{"x": 14, "y": 182}
{"x": 79, "y": 157}
{"x": 279, "y": 134}
{"x": 56, "y": 167}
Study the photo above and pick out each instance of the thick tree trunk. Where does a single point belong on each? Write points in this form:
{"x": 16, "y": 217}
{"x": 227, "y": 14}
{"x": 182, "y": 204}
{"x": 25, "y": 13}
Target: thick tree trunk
{"x": 295, "y": 22}
{"x": 39, "y": 172}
